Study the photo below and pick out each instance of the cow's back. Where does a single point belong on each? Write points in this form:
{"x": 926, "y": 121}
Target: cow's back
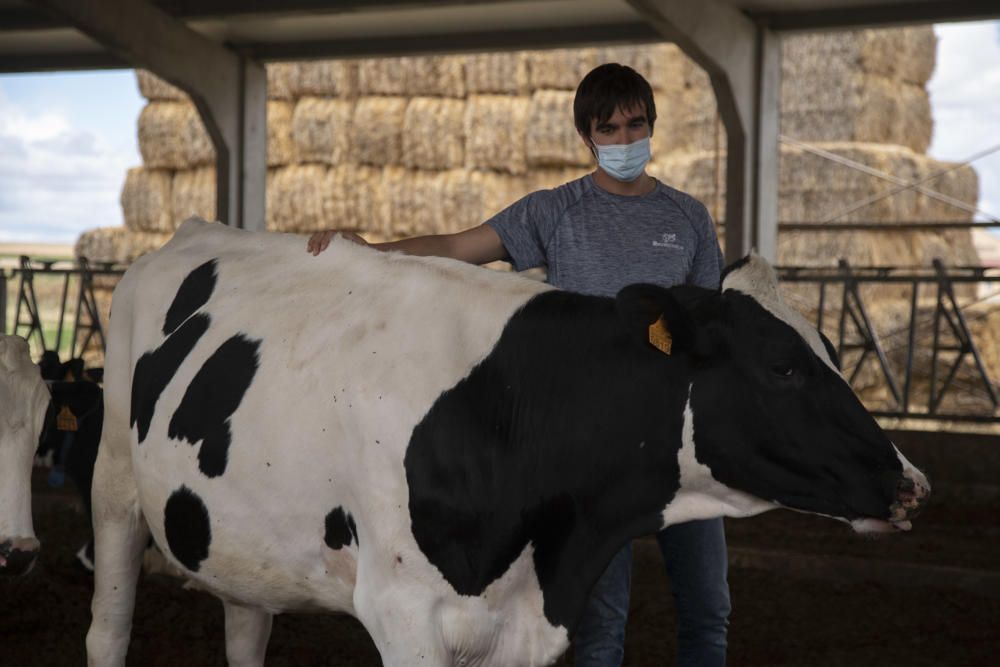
{"x": 272, "y": 395}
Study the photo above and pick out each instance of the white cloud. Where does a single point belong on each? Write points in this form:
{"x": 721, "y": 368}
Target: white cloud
{"x": 56, "y": 179}
{"x": 965, "y": 97}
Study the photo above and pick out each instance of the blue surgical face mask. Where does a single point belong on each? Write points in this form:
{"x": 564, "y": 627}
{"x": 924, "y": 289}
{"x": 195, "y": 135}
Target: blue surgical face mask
{"x": 623, "y": 162}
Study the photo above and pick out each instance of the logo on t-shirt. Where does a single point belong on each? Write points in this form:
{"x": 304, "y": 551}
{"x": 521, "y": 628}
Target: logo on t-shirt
{"x": 668, "y": 241}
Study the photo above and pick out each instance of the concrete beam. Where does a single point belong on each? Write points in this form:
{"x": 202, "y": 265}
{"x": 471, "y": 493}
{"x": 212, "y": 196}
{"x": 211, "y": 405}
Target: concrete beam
{"x": 742, "y": 61}
{"x": 228, "y": 89}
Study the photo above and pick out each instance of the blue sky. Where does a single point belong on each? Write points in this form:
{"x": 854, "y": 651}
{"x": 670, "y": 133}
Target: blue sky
{"x": 66, "y": 140}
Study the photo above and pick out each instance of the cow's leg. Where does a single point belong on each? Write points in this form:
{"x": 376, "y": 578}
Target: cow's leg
{"x": 120, "y": 535}
{"x": 247, "y": 632}
{"x": 120, "y": 530}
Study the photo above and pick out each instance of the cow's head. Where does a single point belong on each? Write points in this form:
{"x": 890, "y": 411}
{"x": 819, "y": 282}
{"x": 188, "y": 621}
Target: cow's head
{"x": 770, "y": 420}
{"x": 23, "y": 400}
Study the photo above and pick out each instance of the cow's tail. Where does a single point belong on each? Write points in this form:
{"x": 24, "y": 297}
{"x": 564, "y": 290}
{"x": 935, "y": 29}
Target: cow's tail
{"x": 120, "y": 530}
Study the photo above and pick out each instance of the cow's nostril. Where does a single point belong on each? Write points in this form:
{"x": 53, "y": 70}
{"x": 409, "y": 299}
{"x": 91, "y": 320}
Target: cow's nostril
{"x": 905, "y": 485}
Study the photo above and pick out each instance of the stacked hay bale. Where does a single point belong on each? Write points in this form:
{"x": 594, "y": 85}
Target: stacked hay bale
{"x": 413, "y": 145}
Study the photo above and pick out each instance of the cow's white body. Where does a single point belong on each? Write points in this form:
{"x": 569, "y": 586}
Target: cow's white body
{"x": 329, "y": 428}
{"x": 23, "y": 401}
{"x": 355, "y": 348}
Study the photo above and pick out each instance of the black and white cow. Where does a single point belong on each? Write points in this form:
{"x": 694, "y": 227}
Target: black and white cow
{"x": 450, "y": 454}
{"x": 23, "y": 401}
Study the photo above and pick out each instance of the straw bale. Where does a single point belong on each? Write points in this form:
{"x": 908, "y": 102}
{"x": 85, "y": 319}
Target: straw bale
{"x": 857, "y": 107}
{"x": 552, "y": 139}
{"x": 281, "y": 80}
{"x": 498, "y": 191}
{"x": 814, "y": 188}
{"x": 171, "y": 136}
{"x": 462, "y": 202}
{"x": 297, "y": 198}
{"x": 413, "y": 75}
{"x": 549, "y": 178}
{"x": 433, "y": 135}
{"x": 377, "y": 128}
{"x": 688, "y": 117}
{"x": 495, "y": 129}
{"x": 561, "y": 69}
{"x": 117, "y": 244}
{"x": 657, "y": 63}
{"x": 153, "y": 87}
{"x": 902, "y": 54}
{"x": 193, "y": 193}
{"x": 410, "y": 198}
{"x": 353, "y": 199}
{"x": 321, "y": 129}
{"x": 443, "y": 202}
{"x": 985, "y": 328}
{"x": 325, "y": 78}
{"x": 500, "y": 73}
{"x": 280, "y": 147}
{"x": 145, "y": 200}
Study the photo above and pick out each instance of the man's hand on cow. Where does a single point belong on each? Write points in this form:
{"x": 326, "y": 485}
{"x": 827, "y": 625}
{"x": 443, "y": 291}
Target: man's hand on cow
{"x": 320, "y": 240}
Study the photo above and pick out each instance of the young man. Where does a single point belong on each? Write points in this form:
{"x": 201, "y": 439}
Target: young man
{"x": 595, "y": 235}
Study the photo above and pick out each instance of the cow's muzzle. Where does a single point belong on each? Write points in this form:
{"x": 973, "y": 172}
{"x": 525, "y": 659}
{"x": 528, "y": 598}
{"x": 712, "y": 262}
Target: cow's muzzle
{"x": 17, "y": 555}
{"x": 912, "y": 493}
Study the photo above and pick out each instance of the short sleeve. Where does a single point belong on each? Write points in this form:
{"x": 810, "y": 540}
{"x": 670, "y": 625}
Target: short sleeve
{"x": 708, "y": 263}
{"x": 526, "y": 226}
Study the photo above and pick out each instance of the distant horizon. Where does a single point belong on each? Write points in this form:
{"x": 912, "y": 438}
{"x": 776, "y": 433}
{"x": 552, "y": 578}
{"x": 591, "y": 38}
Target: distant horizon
{"x": 67, "y": 139}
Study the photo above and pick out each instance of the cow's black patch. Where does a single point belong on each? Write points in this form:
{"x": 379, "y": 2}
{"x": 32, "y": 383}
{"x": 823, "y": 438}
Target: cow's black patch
{"x": 565, "y": 437}
{"x": 797, "y": 434}
{"x": 193, "y": 293}
{"x": 154, "y": 370}
{"x": 187, "y": 527}
{"x": 339, "y": 529}
{"x": 210, "y": 400}
{"x": 831, "y": 350}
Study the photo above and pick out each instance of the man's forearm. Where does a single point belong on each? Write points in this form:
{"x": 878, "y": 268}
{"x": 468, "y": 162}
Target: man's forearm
{"x": 437, "y": 245}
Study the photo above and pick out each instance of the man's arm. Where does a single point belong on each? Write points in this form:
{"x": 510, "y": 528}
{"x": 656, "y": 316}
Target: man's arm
{"x": 478, "y": 245}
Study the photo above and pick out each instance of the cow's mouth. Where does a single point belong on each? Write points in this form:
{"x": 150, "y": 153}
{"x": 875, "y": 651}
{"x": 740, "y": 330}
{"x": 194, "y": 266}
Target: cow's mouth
{"x": 871, "y": 526}
{"x": 18, "y": 555}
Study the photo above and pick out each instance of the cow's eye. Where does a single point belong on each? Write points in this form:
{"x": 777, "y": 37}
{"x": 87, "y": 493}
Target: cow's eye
{"x": 783, "y": 369}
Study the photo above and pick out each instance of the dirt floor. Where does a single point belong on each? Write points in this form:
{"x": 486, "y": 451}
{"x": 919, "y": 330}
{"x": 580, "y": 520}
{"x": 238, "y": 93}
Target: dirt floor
{"x": 806, "y": 591}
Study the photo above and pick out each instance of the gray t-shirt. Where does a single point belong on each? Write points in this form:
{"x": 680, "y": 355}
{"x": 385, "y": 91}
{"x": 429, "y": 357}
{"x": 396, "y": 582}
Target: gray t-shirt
{"x": 596, "y": 242}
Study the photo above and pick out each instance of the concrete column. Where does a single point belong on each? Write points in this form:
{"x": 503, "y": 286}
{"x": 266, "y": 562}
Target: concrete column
{"x": 228, "y": 89}
{"x": 743, "y": 62}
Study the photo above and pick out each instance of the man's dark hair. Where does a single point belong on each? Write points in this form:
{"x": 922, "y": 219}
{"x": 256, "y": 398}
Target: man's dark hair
{"x": 605, "y": 89}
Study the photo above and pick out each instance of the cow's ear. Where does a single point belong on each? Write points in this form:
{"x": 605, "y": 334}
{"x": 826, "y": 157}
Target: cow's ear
{"x": 656, "y": 317}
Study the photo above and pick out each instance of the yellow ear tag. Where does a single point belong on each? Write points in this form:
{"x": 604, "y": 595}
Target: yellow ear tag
{"x": 659, "y": 336}
{"x": 66, "y": 420}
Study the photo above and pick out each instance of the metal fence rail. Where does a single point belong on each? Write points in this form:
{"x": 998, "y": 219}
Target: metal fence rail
{"x": 840, "y": 298}
{"x": 27, "y": 319}
{"x": 950, "y": 333}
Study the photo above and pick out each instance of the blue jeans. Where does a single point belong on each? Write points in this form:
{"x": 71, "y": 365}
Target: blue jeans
{"x": 695, "y": 556}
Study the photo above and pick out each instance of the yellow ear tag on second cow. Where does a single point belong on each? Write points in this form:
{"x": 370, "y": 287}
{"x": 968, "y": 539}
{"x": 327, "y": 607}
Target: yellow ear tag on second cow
{"x": 66, "y": 420}
{"x": 659, "y": 336}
